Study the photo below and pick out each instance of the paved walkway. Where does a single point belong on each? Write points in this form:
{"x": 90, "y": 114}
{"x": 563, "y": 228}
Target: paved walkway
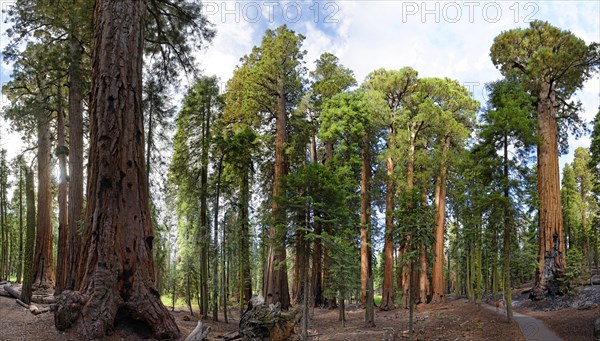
{"x": 533, "y": 329}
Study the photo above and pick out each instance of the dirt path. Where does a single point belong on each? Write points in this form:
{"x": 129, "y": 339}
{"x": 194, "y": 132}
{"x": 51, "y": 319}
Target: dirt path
{"x": 533, "y": 329}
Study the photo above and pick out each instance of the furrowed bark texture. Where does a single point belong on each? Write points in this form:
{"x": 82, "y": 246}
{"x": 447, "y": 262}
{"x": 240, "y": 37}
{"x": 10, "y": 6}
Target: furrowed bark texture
{"x": 43, "y": 266}
{"x": 365, "y": 222}
{"x": 75, "y": 209}
{"x": 275, "y": 286}
{"x": 387, "y": 299}
{"x": 61, "y": 153}
{"x": 551, "y": 256}
{"x": 117, "y": 274}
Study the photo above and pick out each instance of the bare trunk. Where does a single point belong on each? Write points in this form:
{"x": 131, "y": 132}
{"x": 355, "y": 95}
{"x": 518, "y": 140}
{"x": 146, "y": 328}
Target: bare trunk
{"x": 423, "y": 279}
{"x": 204, "y": 235}
{"x": 328, "y": 153}
{"x": 63, "y": 228}
{"x": 365, "y": 221}
{"x": 216, "y": 243}
{"x": 75, "y": 205}
{"x": 507, "y": 231}
{"x": 438, "y": 291}
{"x": 275, "y": 286}
{"x": 313, "y": 149}
{"x": 224, "y": 268}
{"x": 118, "y": 278}
{"x": 551, "y": 255}
{"x": 387, "y": 299}
{"x": 370, "y": 306}
{"x": 20, "y": 263}
{"x": 26, "y": 290}
{"x": 43, "y": 265}
{"x": 244, "y": 253}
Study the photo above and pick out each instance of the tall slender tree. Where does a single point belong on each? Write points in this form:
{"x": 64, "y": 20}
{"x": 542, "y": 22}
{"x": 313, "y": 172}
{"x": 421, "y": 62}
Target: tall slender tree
{"x": 272, "y": 75}
{"x": 26, "y": 290}
{"x": 394, "y": 86}
{"x": 508, "y": 123}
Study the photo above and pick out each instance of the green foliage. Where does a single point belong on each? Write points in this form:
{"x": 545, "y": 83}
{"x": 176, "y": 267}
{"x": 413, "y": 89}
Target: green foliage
{"x": 595, "y": 152}
{"x": 414, "y": 219}
{"x": 328, "y": 79}
{"x": 543, "y": 55}
{"x": 571, "y": 205}
{"x": 344, "y": 266}
{"x": 574, "y": 269}
{"x": 175, "y": 29}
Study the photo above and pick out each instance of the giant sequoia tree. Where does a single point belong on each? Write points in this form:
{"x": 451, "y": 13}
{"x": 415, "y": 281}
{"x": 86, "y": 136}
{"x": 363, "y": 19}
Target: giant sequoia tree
{"x": 271, "y": 79}
{"x": 394, "y": 86}
{"x": 117, "y": 272}
{"x": 552, "y": 64}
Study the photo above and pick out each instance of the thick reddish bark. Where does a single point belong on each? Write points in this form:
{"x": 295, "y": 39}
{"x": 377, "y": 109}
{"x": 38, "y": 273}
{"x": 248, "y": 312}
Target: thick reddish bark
{"x": 551, "y": 255}
{"x": 275, "y": 286}
{"x": 26, "y": 290}
{"x": 423, "y": 279}
{"x": 75, "y": 201}
{"x": 117, "y": 273}
{"x": 43, "y": 265}
{"x": 365, "y": 222}
{"x": 61, "y": 152}
{"x": 387, "y": 299}
{"x": 438, "y": 290}
{"x": 299, "y": 263}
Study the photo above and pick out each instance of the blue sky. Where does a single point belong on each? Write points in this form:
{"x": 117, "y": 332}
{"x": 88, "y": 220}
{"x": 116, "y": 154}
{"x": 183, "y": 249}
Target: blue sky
{"x": 441, "y": 39}
{"x": 438, "y": 39}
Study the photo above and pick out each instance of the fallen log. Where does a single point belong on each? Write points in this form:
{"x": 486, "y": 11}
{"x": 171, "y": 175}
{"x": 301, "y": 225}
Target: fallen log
{"x": 43, "y": 299}
{"x": 13, "y": 292}
{"x": 231, "y": 336}
{"x": 199, "y": 333}
{"x": 3, "y": 293}
{"x": 22, "y": 304}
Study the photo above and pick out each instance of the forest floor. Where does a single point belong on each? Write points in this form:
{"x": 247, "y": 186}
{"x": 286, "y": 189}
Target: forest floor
{"x": 571, "y": 317}
{"x": 456, "y": 320}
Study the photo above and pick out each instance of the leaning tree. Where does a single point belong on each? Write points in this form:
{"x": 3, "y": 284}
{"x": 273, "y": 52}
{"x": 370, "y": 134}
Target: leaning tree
{"x": 552, "y": 65}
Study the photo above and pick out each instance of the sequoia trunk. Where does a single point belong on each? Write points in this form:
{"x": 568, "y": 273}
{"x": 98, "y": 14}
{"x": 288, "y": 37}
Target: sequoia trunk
{"x": 551, "y": 254}
{"x": 275, "y": 286}
{"x": 117, "y": 274}
{"x": 438, "y": 291}
{"x": 43, "y": 266}
{"x": 387, "y": 299}
{"x": 365, "y": 221}
{"x": 61, "y": 152}
{"x": 75, "y": 208}
{"x": 29, "y": 238}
